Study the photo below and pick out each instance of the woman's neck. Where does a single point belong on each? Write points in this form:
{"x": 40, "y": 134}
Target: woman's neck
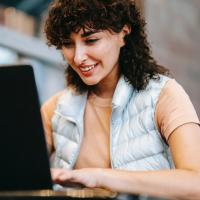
{"x": 106, "y": 88}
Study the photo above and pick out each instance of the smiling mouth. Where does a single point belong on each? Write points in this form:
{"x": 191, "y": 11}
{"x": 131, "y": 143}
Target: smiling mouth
{"x": 88, "y": 68}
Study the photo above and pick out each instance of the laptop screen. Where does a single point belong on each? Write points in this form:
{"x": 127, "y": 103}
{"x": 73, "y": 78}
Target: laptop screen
{"x": 24, "y": 163}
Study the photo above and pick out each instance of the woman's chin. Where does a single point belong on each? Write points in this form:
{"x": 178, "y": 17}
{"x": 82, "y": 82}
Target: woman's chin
{"x": 90, "y": 82}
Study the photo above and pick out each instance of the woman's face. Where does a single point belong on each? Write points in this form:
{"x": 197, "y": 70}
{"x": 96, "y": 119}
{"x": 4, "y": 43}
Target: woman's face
{"x": 94, "y": 55}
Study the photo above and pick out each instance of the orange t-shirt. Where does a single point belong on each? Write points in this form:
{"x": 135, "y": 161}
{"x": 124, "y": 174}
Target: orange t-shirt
{"x": 173, "y": 109}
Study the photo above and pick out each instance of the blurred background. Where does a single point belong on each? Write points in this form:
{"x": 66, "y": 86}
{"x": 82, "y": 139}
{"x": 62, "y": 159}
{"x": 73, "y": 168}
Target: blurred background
{"x": 173, "y": 29}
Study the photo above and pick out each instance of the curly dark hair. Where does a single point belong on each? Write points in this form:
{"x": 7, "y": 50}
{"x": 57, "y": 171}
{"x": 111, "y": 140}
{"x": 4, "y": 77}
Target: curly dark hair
{"x": 135, "y": 60}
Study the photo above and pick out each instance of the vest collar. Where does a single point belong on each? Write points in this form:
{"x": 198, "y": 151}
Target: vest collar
{"x": 122, "y": 94}
{"x": 72, "y": 105}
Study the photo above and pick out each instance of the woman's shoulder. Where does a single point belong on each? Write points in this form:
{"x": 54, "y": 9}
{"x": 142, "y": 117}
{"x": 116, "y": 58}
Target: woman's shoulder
{"x": 65, "y": 102}
{"x": 50, "y": 104}
{"x": 153, "y": 89}
{"x": 158, "y": 82}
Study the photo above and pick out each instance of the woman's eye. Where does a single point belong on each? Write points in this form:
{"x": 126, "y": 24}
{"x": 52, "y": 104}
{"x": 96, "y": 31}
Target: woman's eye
{"x": 91, "y": 41}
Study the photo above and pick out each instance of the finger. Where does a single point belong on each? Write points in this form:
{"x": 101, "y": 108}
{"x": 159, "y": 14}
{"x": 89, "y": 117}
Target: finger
{"x": 61, "y": 176}
{"x": 56, "y": 173}
{"x": 65, "y": 176}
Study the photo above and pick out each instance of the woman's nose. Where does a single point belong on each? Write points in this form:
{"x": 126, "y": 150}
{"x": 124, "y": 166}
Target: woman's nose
{"x": 80, "y": 55}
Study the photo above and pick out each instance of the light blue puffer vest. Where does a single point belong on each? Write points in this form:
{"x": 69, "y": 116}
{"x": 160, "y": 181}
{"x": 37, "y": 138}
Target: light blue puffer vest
{"x": 135, "y": 142}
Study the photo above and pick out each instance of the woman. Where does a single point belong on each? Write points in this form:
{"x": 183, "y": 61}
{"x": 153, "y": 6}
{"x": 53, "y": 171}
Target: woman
{"x": 121, "y": 113}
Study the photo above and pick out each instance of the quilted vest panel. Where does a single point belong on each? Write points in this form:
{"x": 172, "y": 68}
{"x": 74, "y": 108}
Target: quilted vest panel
{"x": 135, "y": 142}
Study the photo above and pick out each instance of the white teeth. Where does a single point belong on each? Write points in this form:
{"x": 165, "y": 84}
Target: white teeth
{"x": 86, "y": 69}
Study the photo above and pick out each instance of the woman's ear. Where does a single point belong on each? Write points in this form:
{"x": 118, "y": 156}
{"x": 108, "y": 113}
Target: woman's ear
{"x": 125, "y": 31}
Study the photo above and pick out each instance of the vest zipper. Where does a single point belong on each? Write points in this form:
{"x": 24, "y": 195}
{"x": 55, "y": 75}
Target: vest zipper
{"x": 79, "y": 146}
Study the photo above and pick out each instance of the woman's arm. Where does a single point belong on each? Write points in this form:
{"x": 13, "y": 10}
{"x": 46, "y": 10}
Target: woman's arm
{"x": 180, "y": 183}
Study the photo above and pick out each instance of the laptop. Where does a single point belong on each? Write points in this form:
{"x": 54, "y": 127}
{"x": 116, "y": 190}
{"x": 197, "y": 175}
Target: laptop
{"x": 24, "y": 163}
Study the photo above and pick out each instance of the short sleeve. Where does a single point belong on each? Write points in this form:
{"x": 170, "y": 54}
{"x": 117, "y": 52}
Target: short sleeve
{"x": 47, "y": 111}
{"x": 174, "y": 108}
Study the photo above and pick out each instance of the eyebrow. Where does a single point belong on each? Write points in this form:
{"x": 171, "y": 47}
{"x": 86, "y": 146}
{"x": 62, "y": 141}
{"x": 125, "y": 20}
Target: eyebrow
{"x": 88, "y": 33}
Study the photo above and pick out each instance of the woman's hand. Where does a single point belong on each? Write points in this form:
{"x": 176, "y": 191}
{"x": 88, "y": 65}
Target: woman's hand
{"x": 87, "y": 177}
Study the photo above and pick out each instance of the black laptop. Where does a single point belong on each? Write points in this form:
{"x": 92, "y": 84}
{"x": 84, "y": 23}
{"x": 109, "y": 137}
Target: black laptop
{"x": 24, "y": 163}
